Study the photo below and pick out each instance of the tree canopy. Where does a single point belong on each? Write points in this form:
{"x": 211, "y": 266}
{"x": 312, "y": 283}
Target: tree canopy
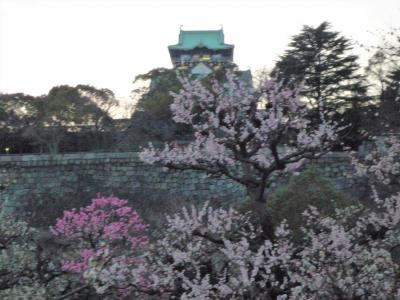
{"x": 64, "y": 109}
{"x": 322, "y": 61}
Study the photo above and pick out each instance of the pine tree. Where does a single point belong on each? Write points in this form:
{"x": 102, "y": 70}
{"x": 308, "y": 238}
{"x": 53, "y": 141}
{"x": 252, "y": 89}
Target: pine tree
{"x": 322, "y": 60}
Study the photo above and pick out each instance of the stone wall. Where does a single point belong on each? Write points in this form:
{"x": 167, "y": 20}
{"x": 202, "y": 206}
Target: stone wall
{"x": 42, "y": 186}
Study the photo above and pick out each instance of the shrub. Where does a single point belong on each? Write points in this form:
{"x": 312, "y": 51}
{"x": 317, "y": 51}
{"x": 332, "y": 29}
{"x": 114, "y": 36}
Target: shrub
{"x": 29, "y": 263}
{"x": 104, "y": 231}
{"x": 309, "y": 188}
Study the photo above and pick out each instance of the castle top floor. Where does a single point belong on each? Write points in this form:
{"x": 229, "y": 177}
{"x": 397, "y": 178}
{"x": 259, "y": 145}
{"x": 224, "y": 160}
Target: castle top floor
{"x": 200, "y": 46}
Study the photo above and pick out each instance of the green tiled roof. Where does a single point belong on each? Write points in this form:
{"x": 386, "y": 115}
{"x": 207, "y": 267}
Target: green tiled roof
{"x": 212, "y": 39}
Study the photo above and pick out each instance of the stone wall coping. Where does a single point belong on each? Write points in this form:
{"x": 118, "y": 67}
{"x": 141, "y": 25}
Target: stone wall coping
{"x": 79, "y": 157}
{"x": 27, "y": 158}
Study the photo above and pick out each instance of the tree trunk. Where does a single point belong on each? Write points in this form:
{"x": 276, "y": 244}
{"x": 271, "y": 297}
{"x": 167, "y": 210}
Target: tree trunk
{"x": 260, "y": 216}
{"x": 255, "y": 194}
{"x": 53, "y": 146}
{"x": 52, "y": 149}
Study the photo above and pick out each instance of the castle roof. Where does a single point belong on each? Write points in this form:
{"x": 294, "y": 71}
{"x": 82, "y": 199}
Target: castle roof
{"x": 211, "y": 39}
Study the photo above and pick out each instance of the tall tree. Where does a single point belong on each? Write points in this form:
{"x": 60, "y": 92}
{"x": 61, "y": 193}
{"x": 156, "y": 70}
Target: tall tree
{"x": 15, "y": 115}
{"x": 15, "y": 111}
{"x": 152, "y": 119}
{"x": 322, "y": 60}
{"x": 63, "y": 109}
{"x": 389, "y": 108}
{"x": 383, "y": 72}
{"x": 377, "y": 71}
{"x": 384, "y": 61}
{"x": 102, "y": 103}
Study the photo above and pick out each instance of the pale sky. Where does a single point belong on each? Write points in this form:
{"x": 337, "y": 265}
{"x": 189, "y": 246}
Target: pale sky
{"x": 106, "y": 43}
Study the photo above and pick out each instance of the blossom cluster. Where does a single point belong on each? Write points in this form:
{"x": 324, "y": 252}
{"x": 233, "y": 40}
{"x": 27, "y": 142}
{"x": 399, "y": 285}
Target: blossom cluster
{"x": 104, "y": 232}
{"x": 213, "y": 253}
{"x": 216, "y": 253}
{"x": 381, "y": 162}
{"x": 243, "y": 133}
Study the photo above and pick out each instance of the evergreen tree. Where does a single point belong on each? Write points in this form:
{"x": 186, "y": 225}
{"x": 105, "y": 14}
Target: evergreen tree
{"x": 322, "y": 60}
{"x": 389, "y": 109}
{"x": 152, "y": 118}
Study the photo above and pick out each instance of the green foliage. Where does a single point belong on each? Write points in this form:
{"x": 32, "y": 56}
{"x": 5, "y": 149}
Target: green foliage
{"x": 308, "y": 188}
{"x": 152, "y": 119}
{"x": 219, "y": 73}
{"x": 67, "y": 108}
{"x": 321, "y": 59}
{"x": 15, "y": 111}
{"x": 390, "y": 103}
{"x": 156, "y": 98}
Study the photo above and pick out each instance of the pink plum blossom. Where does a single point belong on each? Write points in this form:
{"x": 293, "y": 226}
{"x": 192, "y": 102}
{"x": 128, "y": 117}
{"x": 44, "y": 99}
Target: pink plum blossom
{"x": 107, "y": 232}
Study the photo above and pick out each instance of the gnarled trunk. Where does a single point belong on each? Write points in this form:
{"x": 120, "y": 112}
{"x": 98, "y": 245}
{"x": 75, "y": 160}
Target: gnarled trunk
{"x": 256, "y": 205}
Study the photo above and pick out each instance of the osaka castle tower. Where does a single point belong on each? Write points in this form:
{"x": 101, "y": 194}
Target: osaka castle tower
{"x": 201, "y": 51}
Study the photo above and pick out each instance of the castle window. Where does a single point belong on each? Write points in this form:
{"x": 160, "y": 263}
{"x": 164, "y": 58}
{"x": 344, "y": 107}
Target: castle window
{"x": 217, "y": 57}
{"x": 185, "y": 58}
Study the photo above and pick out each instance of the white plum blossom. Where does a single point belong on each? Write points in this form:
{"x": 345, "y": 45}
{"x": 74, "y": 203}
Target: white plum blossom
{"x": 239, "y": 132}
{"x": 215, "y": 253}
{"x": 383, "y": 164}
